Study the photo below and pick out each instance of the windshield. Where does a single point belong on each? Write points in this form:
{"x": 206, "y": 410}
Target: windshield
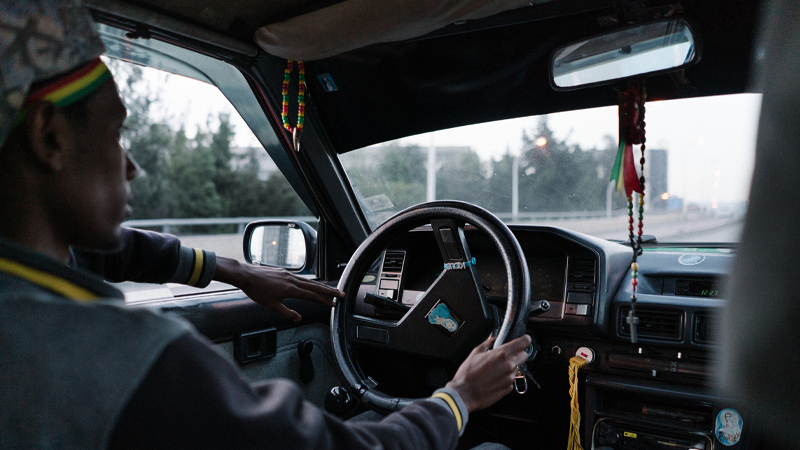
{"x": 555, "y": 169}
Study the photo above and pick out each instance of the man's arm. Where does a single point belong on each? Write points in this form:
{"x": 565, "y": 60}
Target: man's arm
{"x": 193, "y": 397}
{"x": 149, "y": 257}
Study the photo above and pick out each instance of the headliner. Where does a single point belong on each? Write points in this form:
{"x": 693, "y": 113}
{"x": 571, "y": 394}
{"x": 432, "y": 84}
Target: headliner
{"x": 484, "y": 70}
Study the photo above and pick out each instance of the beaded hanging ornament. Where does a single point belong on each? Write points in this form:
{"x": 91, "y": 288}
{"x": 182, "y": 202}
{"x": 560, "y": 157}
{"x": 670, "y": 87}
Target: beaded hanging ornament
{"x": 301, "y": 104}
{"x": 628, "y": 181}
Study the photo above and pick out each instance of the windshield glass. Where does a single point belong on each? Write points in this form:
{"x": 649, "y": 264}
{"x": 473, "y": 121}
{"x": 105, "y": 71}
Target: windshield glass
{"x": 555, "y": 169}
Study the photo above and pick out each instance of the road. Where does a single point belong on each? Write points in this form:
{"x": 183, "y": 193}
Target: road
{"x": 707, "y": 231}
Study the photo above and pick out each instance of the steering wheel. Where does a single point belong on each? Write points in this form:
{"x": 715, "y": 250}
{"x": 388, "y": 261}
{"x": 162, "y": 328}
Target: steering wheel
{"x": 451, "y": 317}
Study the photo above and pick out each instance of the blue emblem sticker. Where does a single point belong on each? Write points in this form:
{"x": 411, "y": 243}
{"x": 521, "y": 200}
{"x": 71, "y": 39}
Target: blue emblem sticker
{"x": 327, "y": 82}
{"x": 460, "y": 265}
{"x": 442, "y": 316}
{"x": 729, "y": 427}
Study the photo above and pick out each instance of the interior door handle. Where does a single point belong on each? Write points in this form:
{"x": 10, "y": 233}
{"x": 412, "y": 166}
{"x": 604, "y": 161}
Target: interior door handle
{"x": 304, "y": 349}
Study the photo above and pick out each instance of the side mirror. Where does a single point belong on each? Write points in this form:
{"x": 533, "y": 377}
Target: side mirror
{"x": 287, "y": 244}
{"x": 645, "y": 49}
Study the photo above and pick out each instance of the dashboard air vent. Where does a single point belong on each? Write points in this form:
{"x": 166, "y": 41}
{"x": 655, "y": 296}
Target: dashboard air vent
{"x": 393, "y": 262}
{"x": 665, "y": 325}
{"x": 703, "y": 325}
{"x": 581, "y": 271}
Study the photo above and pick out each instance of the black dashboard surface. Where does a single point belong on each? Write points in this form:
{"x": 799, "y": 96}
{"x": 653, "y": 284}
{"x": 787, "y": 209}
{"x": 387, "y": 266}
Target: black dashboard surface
{"x": 661, "y": 380}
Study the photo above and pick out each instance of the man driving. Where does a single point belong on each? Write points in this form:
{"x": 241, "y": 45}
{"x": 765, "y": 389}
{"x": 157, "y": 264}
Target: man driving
{"x": 79, "y": 369}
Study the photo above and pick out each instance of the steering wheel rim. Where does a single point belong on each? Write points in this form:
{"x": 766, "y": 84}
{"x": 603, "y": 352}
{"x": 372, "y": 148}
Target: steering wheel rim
{"x": 513, "y": 323}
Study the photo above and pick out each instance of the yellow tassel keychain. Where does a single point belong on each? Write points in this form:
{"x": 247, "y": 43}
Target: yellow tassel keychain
{"x": 574, "y": 440}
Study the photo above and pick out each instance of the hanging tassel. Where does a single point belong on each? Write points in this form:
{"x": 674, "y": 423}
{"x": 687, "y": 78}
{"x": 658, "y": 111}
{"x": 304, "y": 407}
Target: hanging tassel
{"x": 630, "y": 175}
{"x": 616, "y": 172}
{"x": 630, "y": 133}
{"x": 574, "y": 439}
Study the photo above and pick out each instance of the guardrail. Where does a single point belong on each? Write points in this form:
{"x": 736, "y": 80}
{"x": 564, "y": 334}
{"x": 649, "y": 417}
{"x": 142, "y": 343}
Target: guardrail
{"x": 557, "y": 215}
{"x": 166, "y": 225}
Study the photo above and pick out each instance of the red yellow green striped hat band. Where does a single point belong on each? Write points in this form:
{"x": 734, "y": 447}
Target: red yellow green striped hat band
{"x": 71, "y": 87}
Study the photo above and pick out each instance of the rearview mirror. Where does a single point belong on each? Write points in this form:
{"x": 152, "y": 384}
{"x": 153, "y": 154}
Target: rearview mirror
{"x": 642, "y": 49}
{"x": 287, "y": 244}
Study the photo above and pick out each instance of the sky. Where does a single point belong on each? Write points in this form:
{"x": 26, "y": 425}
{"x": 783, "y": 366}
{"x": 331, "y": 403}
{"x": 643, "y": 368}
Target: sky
{"x": 710, "y": 141}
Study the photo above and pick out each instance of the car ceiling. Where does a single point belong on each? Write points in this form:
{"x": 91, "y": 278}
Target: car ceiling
{"x": 483, "y": 70}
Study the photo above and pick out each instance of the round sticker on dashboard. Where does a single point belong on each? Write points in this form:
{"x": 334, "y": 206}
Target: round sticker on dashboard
{"x": 729, "y": 427}
{"x": 691, "y": 260}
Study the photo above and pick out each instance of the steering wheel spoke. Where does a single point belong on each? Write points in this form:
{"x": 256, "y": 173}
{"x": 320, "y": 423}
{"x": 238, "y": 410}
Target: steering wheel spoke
{"x": 446, "y": 323}
{"x": 449, "y": 235}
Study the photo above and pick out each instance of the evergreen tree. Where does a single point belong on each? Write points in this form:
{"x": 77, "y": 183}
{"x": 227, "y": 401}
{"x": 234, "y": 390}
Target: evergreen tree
{"x": 462, "y": 180}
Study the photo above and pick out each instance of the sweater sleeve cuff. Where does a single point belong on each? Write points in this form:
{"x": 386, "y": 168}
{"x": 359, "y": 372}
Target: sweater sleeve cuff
{"x": 453, "y": 402}
{"x": 195, "y": 267}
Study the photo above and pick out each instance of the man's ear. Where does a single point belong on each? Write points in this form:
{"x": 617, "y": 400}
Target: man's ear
{"x": 49, "y": 134}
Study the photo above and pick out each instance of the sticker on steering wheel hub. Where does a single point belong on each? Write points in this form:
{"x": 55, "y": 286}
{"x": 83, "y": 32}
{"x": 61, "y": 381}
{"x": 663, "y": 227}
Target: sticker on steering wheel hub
{"x": 444, "y": 318}
{"x": 460, "y": 265}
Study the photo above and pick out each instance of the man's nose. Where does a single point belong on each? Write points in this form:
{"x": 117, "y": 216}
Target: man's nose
{"x": 131, "y": 166}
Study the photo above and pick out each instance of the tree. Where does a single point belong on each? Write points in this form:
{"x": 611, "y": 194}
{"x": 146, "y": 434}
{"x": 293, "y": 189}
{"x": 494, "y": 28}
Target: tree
{"x": 403, "y": 171}
{"x": 186, "y": 177}
{"x": 147, "y": 140}
{"x": 555, "y": 176}
{"x": 497, "y": 193}
{"x": 463, "y": 179}
{"x": 190, "y": 175}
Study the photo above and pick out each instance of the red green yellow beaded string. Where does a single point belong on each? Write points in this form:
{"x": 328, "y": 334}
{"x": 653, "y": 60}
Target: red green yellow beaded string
{"x": 632, "y": 132}
{"x": 301, "y": 94}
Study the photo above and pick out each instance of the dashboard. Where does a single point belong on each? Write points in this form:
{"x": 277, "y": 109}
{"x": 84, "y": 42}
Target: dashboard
{"x": 654, "y": 393}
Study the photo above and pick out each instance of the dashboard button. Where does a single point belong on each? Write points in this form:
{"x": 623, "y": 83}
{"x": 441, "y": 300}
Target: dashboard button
{"x": 578, "y": 310}
{"x": 580, "y": 297}
{"x": 372, "y": 334}
{"x": 390, "y": 284}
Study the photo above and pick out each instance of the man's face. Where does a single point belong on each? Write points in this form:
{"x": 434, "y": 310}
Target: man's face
{"x": 97, "y": 172}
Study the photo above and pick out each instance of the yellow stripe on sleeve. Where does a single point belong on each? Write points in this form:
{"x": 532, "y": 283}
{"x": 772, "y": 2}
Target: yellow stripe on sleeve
{"x": 453, "y": 406}
{"x": 48, "y": 281}
{"x": 198, "y": 267}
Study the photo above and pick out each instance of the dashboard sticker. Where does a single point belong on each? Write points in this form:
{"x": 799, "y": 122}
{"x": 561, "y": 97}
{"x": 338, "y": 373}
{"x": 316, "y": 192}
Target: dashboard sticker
{"x": 729, "y": 427}
{"x": 368, "y": 279}
{"x": 378, "y": 203}
{"x": 441, "y": 315}
{"x": 691, "y": 260}
{"x": 327, "y": 82}
{"x": 459, "y": 265}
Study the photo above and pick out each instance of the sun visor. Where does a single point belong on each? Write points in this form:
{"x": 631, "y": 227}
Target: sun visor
{"x": 354, "y": 24}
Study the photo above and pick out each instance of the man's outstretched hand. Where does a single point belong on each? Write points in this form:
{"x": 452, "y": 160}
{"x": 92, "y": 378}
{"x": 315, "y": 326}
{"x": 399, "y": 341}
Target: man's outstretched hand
{"x": 270, "y": 286}
{"x": 487, "y": 375}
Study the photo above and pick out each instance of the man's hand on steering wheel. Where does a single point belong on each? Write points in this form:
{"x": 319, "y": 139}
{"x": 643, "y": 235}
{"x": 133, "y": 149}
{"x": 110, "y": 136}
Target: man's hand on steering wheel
{"x": 487, "y": 375}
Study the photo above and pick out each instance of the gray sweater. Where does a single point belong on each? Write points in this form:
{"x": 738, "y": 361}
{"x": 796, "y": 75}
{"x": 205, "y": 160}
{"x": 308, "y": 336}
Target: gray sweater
{"x": 93, "y": 374}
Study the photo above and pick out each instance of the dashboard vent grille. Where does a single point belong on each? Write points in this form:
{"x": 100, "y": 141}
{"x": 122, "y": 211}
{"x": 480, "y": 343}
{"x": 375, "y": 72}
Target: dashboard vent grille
{"x": 393, "y": 262}
{"x": 667, "y": 325}
{"x": 703, "y": 326}
{"x": 581, "y": 271}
